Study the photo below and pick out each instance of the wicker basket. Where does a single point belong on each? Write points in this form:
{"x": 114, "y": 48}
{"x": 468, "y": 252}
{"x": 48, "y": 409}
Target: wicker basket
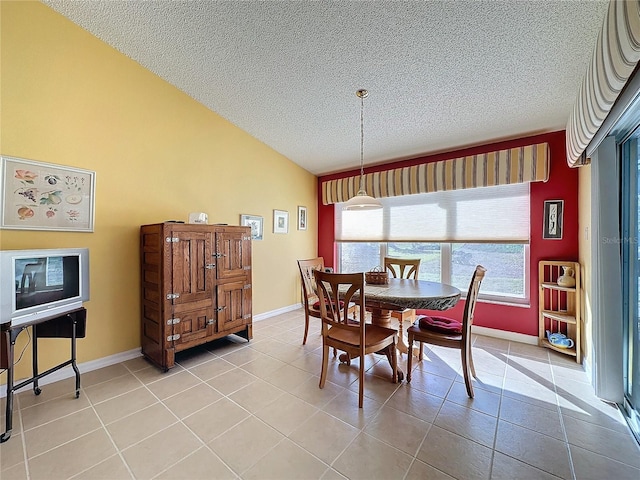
{"x": 376, "y": 277}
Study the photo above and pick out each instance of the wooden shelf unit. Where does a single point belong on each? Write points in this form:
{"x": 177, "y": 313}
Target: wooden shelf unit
{"x": 559, "y": 306}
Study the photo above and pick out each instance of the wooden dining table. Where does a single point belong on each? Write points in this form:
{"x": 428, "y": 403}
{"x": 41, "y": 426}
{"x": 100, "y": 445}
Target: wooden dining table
{"x": 401, "y": 293}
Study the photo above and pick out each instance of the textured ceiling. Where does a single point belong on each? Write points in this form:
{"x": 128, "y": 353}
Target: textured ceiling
{"x": 440, "y": 74}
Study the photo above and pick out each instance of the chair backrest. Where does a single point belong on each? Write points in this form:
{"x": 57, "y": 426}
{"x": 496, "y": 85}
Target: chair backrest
{"x": 402, "y": 267}
{"x": 307, "y": 267}
{"x": 337, "y": 291}
{"x": 472, "y": 297}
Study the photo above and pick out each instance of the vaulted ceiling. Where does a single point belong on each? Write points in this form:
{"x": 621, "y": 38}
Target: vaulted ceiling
{"x": 440, "y": 74}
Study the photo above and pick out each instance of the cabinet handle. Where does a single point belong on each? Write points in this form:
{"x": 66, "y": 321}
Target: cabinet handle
{"x": 210, "y": 321}
{"x": 210, "y": 266}
{"x": 219, "y": 309}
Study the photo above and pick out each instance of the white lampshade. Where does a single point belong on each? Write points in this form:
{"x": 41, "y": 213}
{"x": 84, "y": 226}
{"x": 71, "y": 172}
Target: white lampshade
{"x": 362, "y": 201}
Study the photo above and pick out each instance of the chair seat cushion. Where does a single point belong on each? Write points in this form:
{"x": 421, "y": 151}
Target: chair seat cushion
{"x": 439, "y": 324}
{"x": 316, "y": 306}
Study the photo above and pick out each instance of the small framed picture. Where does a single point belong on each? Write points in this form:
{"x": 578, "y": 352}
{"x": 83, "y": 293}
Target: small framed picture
{"x": 280, "y": 221}
{"x": 302, "y": 218}
{"x": 256, "y": 223}
{"x": 552, "y": 229}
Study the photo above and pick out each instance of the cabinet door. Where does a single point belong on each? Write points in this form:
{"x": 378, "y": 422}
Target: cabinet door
{"x": 234, "y": 305}
{"x": 192, "y": 267}
{"x": 192, "y": 326}
{"x": 233, "y": 250}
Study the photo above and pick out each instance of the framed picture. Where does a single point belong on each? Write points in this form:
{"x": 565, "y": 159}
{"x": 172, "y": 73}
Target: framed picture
{"x": 280, "y": 221}
{"x": 256, "y": 223}
{"x": 552, "y": 228}
{"x": 302, "y": 218}
{"x": 44, "y": 196}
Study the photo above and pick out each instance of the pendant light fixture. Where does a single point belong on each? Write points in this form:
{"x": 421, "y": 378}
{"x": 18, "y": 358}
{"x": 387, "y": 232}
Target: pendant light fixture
{"x": 362, "y": 201}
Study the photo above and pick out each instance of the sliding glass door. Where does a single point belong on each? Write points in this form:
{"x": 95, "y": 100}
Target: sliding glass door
{"x": 631, "y": 277}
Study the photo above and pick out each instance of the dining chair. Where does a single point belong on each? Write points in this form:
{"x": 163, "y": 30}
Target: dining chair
{"x": 403, "y": 268}
{"x": 447, "y": 332}
{"x": 310, "y": 298}
{"x": 356, "y": 339}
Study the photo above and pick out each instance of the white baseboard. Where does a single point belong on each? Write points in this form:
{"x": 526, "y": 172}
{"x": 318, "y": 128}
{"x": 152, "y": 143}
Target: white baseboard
{"x": 279, "y": 311}
{"x": 511, "y": 336}
{"x": 83, "y": 367}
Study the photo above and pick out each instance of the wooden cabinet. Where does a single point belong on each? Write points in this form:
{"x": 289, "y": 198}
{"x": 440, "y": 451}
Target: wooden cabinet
{"x": 560, "y": 304}
{"x": 195, "y": 285}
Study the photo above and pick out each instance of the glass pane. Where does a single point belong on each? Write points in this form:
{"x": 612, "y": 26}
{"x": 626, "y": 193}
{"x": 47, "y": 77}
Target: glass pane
{"x": 358, "y": 257}
{"x": 428, "y": 253}
{"x": 505, "y": 264}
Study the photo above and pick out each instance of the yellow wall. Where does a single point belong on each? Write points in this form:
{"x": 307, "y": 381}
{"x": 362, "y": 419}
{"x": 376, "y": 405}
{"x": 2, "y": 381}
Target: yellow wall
{"x": 68, "y": 98}
{"x": 584, "y": 242}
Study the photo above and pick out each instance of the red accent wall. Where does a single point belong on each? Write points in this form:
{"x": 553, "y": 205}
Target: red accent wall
{"x": 562, "y": 185}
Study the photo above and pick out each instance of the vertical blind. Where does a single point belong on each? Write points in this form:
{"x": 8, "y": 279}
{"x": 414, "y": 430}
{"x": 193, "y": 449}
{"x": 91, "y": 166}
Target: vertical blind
{"x": 498, "y": 214}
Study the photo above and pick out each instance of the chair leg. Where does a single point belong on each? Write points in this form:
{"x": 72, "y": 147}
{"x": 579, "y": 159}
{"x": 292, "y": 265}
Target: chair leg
{"x": 394, "y": 363}
{"x": 464, "y": 353}
{"x": 361, "y": 382}
{"x": 306, "y": 327}
{"x": 410, "y": 357}
{"x": 325, "y": 363}
{"x": 473, "y": 368}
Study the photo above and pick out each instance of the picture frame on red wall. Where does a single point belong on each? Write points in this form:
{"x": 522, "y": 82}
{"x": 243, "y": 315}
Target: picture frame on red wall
{"x": 553, "y": 210}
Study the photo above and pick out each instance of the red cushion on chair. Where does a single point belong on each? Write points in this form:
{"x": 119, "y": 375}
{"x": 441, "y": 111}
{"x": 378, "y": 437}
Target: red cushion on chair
{"x": 316, "y": 306}
{"x": 440, "y": 324}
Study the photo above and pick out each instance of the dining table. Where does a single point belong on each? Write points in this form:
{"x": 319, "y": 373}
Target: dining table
{"x": 401, "y": 293}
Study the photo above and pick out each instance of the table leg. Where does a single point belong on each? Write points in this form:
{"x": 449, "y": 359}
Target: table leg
{"x": 382, "y": 317}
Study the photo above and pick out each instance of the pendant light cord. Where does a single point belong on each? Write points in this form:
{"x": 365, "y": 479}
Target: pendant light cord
{"x": 362, "y": 94}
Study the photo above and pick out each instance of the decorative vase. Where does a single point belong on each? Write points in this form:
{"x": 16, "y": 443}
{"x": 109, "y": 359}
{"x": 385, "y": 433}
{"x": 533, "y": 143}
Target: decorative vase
{"x": 567, "y": 279}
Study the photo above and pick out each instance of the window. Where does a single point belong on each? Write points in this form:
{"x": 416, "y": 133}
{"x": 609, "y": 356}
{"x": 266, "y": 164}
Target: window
{"x": 451, "y": 232}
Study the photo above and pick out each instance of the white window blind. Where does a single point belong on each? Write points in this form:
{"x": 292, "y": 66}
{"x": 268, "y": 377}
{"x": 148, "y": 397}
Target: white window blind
{"x": 498, "y": 214}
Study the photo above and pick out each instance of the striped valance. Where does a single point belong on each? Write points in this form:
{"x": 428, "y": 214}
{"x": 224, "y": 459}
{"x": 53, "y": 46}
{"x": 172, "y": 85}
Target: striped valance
{"x": 514, "y": 165}
{"x": 615, "y": 58}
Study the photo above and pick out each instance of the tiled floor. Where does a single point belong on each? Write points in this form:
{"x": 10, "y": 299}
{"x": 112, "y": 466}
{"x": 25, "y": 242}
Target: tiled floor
{"x": 254, "y": 411}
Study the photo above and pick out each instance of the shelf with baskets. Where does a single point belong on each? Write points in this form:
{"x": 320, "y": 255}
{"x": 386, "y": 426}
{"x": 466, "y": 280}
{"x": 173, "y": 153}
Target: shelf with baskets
{"x": 560, "y": 299}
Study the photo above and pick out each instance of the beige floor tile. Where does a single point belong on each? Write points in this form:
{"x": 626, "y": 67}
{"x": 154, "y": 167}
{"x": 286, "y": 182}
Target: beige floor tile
{"x": 433, "y": 364}
{"x": 540, "y": 393}
{"x": 324, "y": 436}
{"x": 256, "y": 395}
{"x": 421, "y": 471}
{"x": 310, "y": 363}
{"x": 173, "y": 384}
{"x": 345, "y": 407}
{"x": 11, "y": 452}
{"x": 366, "y": 457}
{"x": 331, "y": 474}
{"x": 536, "y": 449}
{"x": 113, "y": 468}
{"x": 194, "y": 356}
{"x": 468, "y": 423}
{"x": 609, "y": 443}
{"x": 56, "y": 408}
{"x": 286, "y": 461}
{"x": 430, "y": 383}
{"x": 310, "y": 392}
{"x": 139, "y": 425}
{"x": 450, "y": 451}
{"x": 244, "y": 444}
{"x": 207, "y": 370}
{"x": 191, "y": 400}
{"x": 287, "y": 377}
{"x": 45, "y": 437}
{"x": 489, "y": 361}
{"x": 517, "y": 349}
{"x": 529, "y": 369}
{"x": 160, "y": 451}
{"x": 398, "y": 429}
{"x": 598, "y": 413}
{"x": 242, "y": 356}
{"x": 72, "y": 458}
{"x": 103, "y": 374}
{"x": 215, "y": 419}
{"x": 485, "y": 381}
{"x": 66, "y": 387}
{"x": 377, "y": 388}
{"x": 138, "y": 363}
{"x": 541, "y": 420}
{"x": 263, "y": 366}
{"x": 417, "y": 403}
{"x": 232, "y": 381}
{"x": 17, "y": 472}
{"x": 201, "y": 465}
{"x": 286, "y": 414}
{"x": 112, "y": 388}
{"x": 153, "y": 373}
{"x": 507, "y": 468}
{"x": 115, "y": 408}
{"x": 482, "y": 401}
{"x": 591, "y": 466}
{"x": 491, "y": 342}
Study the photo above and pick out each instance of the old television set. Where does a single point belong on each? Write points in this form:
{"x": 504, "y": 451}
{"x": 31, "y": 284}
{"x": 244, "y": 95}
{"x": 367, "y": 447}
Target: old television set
{"x": 39, "y": 284}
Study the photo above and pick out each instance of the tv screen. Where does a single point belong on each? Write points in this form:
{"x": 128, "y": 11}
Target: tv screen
{"x": 46, "y": 279}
